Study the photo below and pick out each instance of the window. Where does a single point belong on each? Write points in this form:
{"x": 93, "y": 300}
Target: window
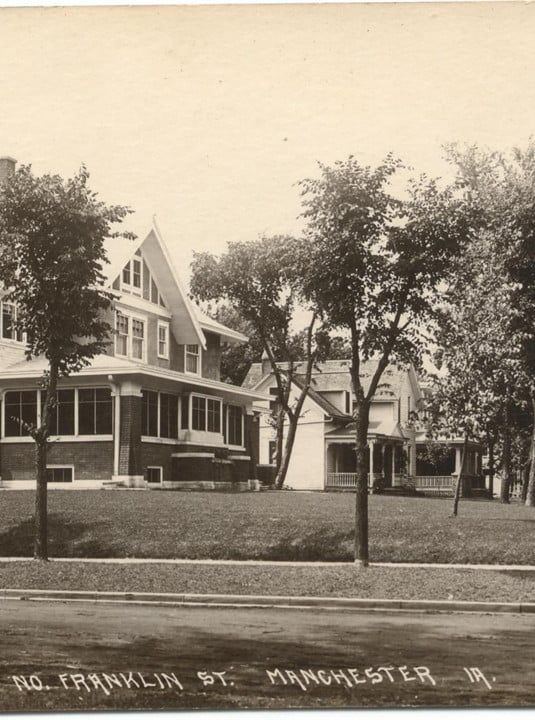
{"x": 9, "y": 318}
{"x": 136, "y": 274}
{"x": 62, "y": 422}
{"x": 138, "y": 338}
{"x": 163, "y": 340}
{"x": 193, "y": 358}
{"x": 198, "y": 412}
{"x": 130, "y": 336}
{"x": 149, "y": 413}
{"x": 168, "y": 416}
{"x": 121, "y": 338}
{"x": 272, "y": 452}
{"x": 184, "y": 412}
{"x": 20, "y": 410}
{"x": 213, "y": 408}
{"x": 205, "y": 414}
{"x": 154, "y": 475}
{"x": 274, "y": 402}
{"x": 132, "y": 276}
{"x": 235, "y": 425}
{"x": 55, "y": 474}
{"x": 94, "y": 411}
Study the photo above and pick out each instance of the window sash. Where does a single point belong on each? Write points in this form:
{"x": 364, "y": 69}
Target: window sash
{"x": 163, "y": 340}
{"x": 192, "y": 359}
{"x": 235, "y": 425}
{"x": 19, "y": 407}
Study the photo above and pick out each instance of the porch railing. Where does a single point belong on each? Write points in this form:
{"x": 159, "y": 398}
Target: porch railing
{"x": 343, "y": 480}
{"x": 435, "y": 483}
{"x": 349, "y": 480}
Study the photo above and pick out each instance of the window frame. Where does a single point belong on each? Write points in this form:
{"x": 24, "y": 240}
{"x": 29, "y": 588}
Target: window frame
{"x": 155, "y": 467}
{"x": 242, "y": 431}
{"x": 198, "y": 356}
{"x": 159, "y": 437}
{"x": 62, "y": 467}
{"x": 215, "y": 398}
{"x": 13, "y": 338}
{"x": 76, "y": 437}
{"x": 129, "y": 287}
{"x": 130, "y": 316}
{"x": 162, "y": 325}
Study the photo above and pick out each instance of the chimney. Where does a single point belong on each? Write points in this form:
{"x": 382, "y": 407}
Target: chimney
{"x": 266, "y": 365}
{"x": 7, "y": 166}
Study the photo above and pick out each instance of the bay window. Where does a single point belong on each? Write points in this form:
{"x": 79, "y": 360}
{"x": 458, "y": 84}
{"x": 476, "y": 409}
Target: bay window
{"x": 159, "y": 415}
{"x": 205, "y": 413}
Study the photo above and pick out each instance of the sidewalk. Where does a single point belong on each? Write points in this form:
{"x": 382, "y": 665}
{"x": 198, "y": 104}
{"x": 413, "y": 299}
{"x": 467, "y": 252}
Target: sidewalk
{"x": 275, "y": 563}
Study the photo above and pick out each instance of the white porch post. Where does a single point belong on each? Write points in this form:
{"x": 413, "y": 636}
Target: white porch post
{"x": 336, "y": 461}
{"x": 393, "y": 464}
{"x": 457, "y": 460}
{"x": 371, "y": 445}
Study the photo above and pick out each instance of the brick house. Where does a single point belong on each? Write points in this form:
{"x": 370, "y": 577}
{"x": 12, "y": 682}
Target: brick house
{"x": 151, "y": 411}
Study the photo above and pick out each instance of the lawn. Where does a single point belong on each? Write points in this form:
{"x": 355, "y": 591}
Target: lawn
{"x": 319, "y": 581}
{"x": 277, "y": 526}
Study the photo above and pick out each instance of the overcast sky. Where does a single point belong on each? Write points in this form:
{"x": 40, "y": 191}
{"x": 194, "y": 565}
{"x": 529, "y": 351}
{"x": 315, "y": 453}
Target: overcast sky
{"x": 207, "y": 116}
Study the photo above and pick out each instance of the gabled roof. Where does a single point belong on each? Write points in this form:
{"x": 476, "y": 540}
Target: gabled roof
{"x": 188, "y": 322}
{"x": 327, "y": 407}
{"x": 333, "y": 375}
{"x": 384, "y": 428}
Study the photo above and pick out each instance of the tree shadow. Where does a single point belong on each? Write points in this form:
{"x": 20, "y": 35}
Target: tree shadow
{"x": 65, "y": 539}
{"x": 318, "y": 544}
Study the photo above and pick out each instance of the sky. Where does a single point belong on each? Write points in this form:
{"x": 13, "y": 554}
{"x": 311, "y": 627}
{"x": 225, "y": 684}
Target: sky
{"x": 208, "y": 116}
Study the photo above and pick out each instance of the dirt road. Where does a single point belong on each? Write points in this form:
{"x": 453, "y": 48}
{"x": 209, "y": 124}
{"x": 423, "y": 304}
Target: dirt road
{"x": 83, "y": 656}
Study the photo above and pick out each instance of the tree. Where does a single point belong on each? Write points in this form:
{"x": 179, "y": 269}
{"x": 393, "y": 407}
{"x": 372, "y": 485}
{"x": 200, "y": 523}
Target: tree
{"x": 371, "y": 266}
{"x": 51, "y": 242}
{"x": 260, "y": 281}
{"x": 500, "y": 191}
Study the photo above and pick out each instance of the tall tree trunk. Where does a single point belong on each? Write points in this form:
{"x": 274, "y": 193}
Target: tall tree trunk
{"x": 288, "y": 447}
{"x": 279, "y": 439}
{"x": 530, "y": 495}
{"x": 361, "y": 496}
{"x": 506, "y": 463}
{"x": 459, "y": 483}
{"x": 491, "y": 467}
{"x": 40, "y": 549}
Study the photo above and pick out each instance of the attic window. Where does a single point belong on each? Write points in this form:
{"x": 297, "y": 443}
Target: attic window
{"x": 132, "y": 276}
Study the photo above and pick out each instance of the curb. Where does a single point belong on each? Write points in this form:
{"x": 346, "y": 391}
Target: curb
{"x": 265, "y": 601}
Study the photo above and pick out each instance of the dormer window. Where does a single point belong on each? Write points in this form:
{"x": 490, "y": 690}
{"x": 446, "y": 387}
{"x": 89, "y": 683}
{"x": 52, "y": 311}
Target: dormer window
{"x": 193, "y": 359}
{"x": 132, "y": 276}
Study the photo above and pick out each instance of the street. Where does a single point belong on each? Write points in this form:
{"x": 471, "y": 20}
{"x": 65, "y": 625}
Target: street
{"x": 70, "y": 656}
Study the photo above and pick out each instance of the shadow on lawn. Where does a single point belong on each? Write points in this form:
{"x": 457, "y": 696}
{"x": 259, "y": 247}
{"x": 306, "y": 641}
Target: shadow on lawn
{"x": 318, "y": 544}
{"x": 65, "y": 539}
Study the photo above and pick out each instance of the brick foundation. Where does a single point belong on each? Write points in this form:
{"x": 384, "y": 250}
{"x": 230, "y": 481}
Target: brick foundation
{"x": 91, "y": 460}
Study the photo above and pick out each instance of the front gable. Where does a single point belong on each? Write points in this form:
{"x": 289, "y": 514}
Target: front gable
{"x": 142, "y": 274}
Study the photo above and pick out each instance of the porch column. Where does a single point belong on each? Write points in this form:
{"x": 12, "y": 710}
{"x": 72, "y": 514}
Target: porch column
{"x": 336, "y": 460}
{"x": 457, "y": 460}
{"x": 130, "y": 460}
{"x": 393, "y": 464}
{"x": 383, "y": 453}
{"x": 371, "y": 445}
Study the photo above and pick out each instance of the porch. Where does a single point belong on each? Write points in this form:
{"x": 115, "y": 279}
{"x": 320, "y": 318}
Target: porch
{"x": 386, "y": 461}
{"x": 437, "y": 475}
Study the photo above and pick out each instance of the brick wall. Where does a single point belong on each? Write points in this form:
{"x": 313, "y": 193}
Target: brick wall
{"x": 91, "y": 460}
{"x": 158, "y": 455}
{"x": 130, "y": 453}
